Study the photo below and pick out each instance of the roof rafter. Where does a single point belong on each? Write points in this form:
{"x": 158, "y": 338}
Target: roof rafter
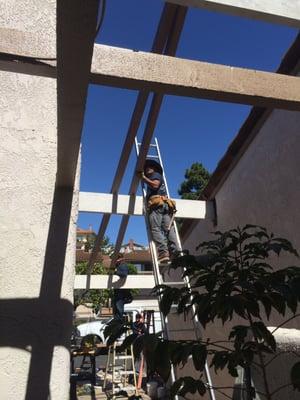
{"x": 164, "y": 31}
{"x": 149, "y": 129}
{"x": 280, "y": 12}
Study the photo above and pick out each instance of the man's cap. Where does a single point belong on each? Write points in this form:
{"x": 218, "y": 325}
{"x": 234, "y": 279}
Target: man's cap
{"x": 153, "y": 164}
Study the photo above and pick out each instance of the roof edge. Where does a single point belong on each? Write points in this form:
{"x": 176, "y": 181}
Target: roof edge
{"x": 247, "y": 132}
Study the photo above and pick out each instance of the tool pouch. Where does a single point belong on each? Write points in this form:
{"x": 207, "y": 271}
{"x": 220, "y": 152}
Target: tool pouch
{"x": 158, "y": 201}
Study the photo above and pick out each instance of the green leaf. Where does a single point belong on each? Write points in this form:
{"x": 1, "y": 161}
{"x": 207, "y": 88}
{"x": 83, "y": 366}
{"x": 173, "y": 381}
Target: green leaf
{"x": 166, "y": 302}
{"x": 239, "y": 303}
{"x": 252, "y": 306}
{"x": 267, "y": 303}
{"x": 201, "y": 388}
{"x": 162, "y": 360}
{"x": 239, "y": 332}
{"x": 175, "y": 387}
{"x": 295, "y": 376}
{"x": 128, "y": 341}
{"x": 199, "y": 354}
{"x": 190, "y": 385}
{"x": 278, "y": 302}
{"x": 262, "y": 332}
{"x": 219, "y": 360}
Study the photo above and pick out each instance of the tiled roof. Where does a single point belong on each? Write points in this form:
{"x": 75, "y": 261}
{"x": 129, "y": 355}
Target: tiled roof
{"x": 136, "y": 257}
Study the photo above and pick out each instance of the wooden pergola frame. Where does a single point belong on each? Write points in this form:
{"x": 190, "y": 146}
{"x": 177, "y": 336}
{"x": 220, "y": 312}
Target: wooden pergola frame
{"x": 158, "y": 72}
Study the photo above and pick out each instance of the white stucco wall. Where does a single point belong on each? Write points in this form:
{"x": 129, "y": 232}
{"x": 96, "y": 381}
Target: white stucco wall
{"x": 264, "y": 189}
{"x": 28, "y": 150}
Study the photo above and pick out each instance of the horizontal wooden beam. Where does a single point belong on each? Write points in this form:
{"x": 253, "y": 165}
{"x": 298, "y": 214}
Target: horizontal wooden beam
{"x": 125, "y": 205}
{"x": 163, "y": 74}
{"x": 114, "y": 281}
{"x": 170, "y": 75}
{"x": 276, "y": 11}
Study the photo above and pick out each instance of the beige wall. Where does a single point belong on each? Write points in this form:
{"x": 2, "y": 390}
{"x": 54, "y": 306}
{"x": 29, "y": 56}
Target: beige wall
{"x": 35, "y": 315}
{"x": 264, "y": 189}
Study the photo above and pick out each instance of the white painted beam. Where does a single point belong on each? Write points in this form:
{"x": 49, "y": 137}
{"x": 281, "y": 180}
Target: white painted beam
{"x": 162, "y": 74}
{"x": 120, "y": 204}
{"x": 114, "y": 281}
{"x": 285, "y": 12}
{"x": 171, "y": 75}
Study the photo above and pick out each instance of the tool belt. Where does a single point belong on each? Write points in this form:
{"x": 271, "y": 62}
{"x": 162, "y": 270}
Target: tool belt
{"x": 158, "y": 201}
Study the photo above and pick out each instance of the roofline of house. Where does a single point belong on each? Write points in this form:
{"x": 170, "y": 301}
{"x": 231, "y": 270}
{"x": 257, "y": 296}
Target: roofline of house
{"x": 248, "y": 131}
{"x": 250, "y": 128}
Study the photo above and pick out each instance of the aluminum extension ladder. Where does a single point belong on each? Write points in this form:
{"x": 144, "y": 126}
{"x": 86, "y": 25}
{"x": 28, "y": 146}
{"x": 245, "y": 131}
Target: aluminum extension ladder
{"x": 157, "y": 275}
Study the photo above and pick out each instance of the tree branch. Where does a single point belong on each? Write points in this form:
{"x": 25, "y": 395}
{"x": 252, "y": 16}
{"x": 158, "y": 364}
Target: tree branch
{"x": 285, "y": 322}
{"x": 231, "y": 387}
{"x": 280, "y": 388}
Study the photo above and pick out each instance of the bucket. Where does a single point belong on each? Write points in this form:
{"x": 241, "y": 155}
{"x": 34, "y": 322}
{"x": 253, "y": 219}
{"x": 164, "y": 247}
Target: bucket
{"x": 152, "y": 389}
{"x": 161, "y": 392}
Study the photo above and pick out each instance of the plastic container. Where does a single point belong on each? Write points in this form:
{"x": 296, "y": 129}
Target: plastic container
{"x": 152, "y": 389}
{"x": 161, "y": 392}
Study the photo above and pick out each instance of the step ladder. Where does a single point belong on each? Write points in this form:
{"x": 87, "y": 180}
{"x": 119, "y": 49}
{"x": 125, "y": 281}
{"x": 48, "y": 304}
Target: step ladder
{"x": 149, "y": 319}
{"x": 123, "y": 371}
{"x": 154, "y": 153}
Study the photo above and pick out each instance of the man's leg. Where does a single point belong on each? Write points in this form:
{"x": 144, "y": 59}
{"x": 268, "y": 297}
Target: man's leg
{"x": 118, "y": 309}
{"x": 155, "y": 220}
{"x": 170, "y": 234}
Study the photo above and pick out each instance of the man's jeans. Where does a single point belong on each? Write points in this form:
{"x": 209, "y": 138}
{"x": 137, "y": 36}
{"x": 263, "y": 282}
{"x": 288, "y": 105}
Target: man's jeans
{"x": 118, "y": 309}
{"x": 165, "y": 240}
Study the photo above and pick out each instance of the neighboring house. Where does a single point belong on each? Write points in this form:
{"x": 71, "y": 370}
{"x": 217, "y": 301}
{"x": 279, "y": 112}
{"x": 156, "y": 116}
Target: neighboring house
{"x": 132, "y": 246}
{"x": 137, "y": 254}
{"x": 85, "y": 238}
{"x": 258, "y": 182}
{"x": 134, "y": 253}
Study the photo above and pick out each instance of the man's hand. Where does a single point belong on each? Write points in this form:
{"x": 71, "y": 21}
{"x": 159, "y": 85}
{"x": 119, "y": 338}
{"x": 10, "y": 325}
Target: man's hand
{"x": 140, "y": 174}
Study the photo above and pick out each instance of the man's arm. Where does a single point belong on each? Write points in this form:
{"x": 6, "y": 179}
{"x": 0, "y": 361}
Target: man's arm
{"x": 154, "y": 184}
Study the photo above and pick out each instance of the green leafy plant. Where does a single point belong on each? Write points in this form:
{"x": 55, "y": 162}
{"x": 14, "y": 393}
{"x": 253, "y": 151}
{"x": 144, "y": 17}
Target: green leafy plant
{"x": 233, "y": 276}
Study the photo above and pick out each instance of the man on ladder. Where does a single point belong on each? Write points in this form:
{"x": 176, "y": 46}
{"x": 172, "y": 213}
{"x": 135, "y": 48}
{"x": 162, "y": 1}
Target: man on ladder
{"x": 161, "y": 211}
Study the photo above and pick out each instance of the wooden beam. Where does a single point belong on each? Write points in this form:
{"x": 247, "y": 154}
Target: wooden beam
{"x": 275, "y": 11}
{"x": 129, "y": 69}
{"x": 114, "y": 281}
{"x": 74, "y": 56}
{"x": 170, "y": 75}
{"x": 121, "y": 204}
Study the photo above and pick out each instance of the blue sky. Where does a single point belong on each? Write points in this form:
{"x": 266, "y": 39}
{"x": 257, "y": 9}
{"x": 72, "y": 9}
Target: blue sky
{"x": 188, "y": 130}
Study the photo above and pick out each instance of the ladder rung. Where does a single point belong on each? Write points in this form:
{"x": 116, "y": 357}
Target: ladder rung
{"x": 151, "y": 145}
{"x": 152, "y": 156}
{"x": 126, "y": 372}
{"x": 124, "y": 388}
{"x": 174, "y": 283}
{"x": 123, "y": 357}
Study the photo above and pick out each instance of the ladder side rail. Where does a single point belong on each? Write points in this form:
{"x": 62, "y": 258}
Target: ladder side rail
{"x": 196, "y": 323}
{"x": 157, "y": 275}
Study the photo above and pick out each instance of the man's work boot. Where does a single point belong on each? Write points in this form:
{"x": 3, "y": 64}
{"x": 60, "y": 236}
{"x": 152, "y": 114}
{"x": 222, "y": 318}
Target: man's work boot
{"x": 164, "y": 258}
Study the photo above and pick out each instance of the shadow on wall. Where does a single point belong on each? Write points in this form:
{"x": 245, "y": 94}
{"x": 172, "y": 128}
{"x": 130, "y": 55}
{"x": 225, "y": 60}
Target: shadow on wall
{"x": 40, "y": 324}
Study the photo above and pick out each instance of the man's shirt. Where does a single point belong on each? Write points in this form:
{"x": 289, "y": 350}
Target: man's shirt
{"x": 161, "y": 190}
